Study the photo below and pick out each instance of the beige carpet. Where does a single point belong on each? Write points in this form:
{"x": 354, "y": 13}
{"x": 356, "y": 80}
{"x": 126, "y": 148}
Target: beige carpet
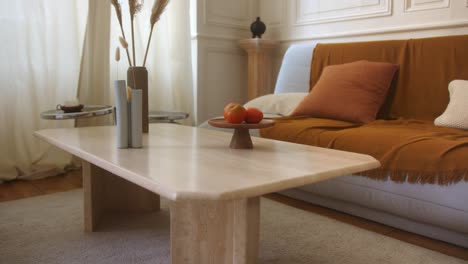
{"x": 48, "y": 229}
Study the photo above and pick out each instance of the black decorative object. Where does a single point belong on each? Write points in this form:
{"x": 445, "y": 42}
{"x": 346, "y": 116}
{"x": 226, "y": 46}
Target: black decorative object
{"x": 257, "y": 28}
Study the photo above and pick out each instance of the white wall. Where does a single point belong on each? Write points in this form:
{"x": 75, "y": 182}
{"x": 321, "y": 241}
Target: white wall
{"x": 221, "y": 64}
{"x": 221, "y": 75}
{"x": 298, "y": 20}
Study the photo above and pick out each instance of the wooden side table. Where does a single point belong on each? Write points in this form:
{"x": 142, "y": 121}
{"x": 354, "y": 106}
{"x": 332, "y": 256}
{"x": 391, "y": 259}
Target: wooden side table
{"x": 260, "y": 79}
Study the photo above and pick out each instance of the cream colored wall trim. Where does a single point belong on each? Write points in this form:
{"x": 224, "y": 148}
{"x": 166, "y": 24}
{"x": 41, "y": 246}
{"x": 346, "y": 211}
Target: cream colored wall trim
{"x": 214, "y": 37}
{"x": 274, "y": 13}
{"x": 323, "y": 11}
{"x": 420, "y": 5}
{"x": 357, "y": 33}
{"x": 387, "y": 30}
{"x": 228, "y": 13}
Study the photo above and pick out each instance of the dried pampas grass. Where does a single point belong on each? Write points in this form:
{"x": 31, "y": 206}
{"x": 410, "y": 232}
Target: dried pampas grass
{"x": 123, "y": 42}
{"x": 117, "y": 54}
{"x": 135, "y": 7}
{"x": 117, "y": 59}
{"x": 156, "y": 12}
{"x": 129, "y": 93}
{"x": 118, "y": 12}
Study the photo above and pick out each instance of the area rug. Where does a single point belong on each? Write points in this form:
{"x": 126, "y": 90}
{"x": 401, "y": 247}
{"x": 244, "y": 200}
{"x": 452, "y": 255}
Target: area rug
{"x": 49, "y": 229}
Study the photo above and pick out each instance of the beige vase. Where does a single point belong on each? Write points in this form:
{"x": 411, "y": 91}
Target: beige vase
{"x": 137, "y": 78}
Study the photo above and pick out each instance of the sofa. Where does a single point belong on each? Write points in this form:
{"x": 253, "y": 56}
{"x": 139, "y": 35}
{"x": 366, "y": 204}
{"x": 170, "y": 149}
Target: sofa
{"x": 422, "y": 200}
{"x": 435, "y": 206}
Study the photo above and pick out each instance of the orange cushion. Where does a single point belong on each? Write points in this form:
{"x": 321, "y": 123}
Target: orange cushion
{"x": 352, "y": 92}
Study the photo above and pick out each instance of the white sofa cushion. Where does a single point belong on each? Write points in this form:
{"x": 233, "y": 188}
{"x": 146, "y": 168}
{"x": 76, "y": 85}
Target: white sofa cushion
{"x": 456, "y": 114}
{"x": 294, "y": 74}
{"x": 279, "y": 104}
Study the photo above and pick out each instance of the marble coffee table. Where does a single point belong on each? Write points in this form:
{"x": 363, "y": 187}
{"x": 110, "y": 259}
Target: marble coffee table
{"x": 214, "y": 190}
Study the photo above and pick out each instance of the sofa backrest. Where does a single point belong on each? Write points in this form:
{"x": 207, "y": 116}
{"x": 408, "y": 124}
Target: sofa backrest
{"x": 294, "y": 74}
{"x": 427, "y": 66}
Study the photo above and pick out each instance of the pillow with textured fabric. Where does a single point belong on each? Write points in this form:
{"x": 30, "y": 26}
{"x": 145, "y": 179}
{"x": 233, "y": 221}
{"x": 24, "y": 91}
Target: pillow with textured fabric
{"x": 352, "y": 92}
{"x": 280, "y": 104}
{"x": 456, "y": 114}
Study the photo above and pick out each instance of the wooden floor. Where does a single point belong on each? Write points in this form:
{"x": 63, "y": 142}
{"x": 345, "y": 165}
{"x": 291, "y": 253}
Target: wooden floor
{"x": 15, "y": 190}
{"x": 22, "y": 189}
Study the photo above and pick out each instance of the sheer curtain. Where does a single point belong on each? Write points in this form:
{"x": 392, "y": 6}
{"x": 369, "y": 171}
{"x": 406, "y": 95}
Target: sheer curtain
{"x": 40, "y": 53}
{"x": 46, "y": 57}
{"x": 94, "y": 82}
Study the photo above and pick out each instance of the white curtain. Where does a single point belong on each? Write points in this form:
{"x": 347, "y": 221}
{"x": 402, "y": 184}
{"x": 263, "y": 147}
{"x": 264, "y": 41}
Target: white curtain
{"x": 94, "y": 82}
{"x": 45, "y": 57}
{"x": 40, "y": 51}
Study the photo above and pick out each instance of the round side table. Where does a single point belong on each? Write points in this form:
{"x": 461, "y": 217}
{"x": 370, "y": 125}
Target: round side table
{"x": 166, "y": 116}
{"x": 88, "y": 111}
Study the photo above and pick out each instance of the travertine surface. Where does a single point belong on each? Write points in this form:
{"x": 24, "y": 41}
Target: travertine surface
{"x": 180, "y": 162}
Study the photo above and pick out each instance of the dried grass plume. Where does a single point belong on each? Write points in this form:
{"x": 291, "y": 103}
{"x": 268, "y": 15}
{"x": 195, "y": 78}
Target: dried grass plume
{"x": 135, "y": 7}
{"x": 118, "y": 10}
{"x": 117, "y": 54}
{"x": 123, "y": 42}
{"x": 156, "y": 12}
{"x": 129, "y": 93}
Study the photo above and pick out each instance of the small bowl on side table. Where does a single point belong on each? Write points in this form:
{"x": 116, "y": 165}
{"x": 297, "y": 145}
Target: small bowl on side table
{"x": 241, "y": 137}
{"x": 70, "y": 108}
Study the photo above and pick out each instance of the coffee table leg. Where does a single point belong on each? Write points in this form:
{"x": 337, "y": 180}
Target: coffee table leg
{"x": 104, "y": 192}
{"x": 213, "y": 232}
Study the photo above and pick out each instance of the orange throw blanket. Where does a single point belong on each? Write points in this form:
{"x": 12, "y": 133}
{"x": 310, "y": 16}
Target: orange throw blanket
{"x": 409, "y": 150}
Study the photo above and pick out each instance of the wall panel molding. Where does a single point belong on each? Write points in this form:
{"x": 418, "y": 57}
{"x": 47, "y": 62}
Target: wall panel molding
{"x": 323, "y": 11}
{"x": 228, "y": 13}
{"x": 355, "y": 33}
{"x": 222, "y": 77}
{"x": 215, "y": 37}
{"x": 274, "y": 13}
{"x": 389, "y": 30}
{"x": 421, "y": 5}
